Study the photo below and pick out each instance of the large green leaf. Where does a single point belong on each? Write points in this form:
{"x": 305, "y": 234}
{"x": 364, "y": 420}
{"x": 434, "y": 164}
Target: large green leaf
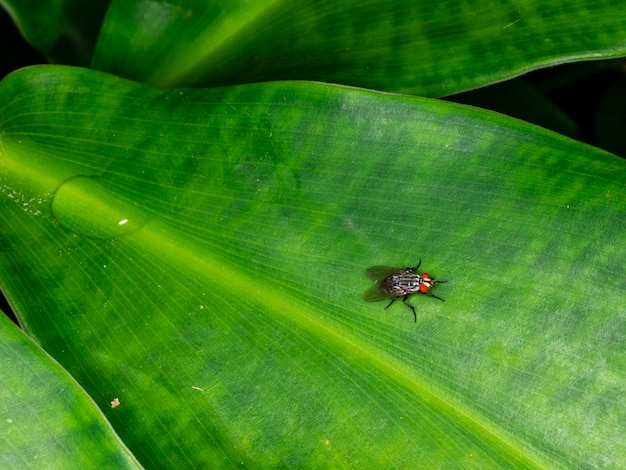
{"x": 430, "y": 48}
{"x": 200, "y": 254}
{"x": 47, "y": 420}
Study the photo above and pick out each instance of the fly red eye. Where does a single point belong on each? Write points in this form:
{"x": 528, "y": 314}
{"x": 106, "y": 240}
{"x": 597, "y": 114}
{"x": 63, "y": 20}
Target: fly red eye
{"x": 427, "y": 276}
{"x": 424, "y": 288}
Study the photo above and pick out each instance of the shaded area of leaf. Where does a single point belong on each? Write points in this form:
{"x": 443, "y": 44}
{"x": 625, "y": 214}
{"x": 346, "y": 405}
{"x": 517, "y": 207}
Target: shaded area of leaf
{"x": 15, "y": 52}
{"x": 426, "y": 48}
{"x": 47, "y": 419}
{"x": 65, "y": 31}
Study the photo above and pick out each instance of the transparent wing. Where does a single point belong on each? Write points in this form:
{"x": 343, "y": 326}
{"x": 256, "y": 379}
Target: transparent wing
{"x": 378, "y": 273}
{"x": 374, "y": 294}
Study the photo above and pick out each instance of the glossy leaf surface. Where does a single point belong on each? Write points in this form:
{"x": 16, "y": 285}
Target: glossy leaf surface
{"x": 46, "y": 419}
{"x": 427, "y": 48}
{"x": 201, "y": 255}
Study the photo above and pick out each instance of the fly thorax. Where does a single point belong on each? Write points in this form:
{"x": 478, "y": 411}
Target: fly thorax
{"x": 406, "y": 283}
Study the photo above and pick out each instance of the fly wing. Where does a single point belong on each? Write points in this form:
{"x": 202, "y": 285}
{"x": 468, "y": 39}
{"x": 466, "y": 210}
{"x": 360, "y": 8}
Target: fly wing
{"x": 378, "y": 273}
{"x": 375, "y": 294}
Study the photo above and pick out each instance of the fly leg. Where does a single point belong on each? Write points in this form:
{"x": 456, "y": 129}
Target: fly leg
{"x": 416, "y": 267}
{"x": 389, "y": 304}
{"x": 433, "y": 295}
{"x": 410, "y": 306}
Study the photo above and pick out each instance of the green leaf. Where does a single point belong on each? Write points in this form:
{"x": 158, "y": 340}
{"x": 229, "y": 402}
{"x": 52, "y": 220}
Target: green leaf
{"x": 200, "y": 254}
{"x": 65, "y": 31}
{"x": 426, "y": 48}
{"x": 46, "y": 419}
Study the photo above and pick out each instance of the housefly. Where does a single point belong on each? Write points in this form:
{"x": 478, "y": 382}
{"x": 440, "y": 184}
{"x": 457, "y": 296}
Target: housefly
{"x": 392, "y": 283}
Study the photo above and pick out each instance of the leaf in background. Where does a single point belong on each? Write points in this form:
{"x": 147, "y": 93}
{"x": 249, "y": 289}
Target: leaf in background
{"x": 46, "y": 419}
{"x": 65, "y": 31}
{"x": 425, "y": 48}
{"x": 200, "y": 255}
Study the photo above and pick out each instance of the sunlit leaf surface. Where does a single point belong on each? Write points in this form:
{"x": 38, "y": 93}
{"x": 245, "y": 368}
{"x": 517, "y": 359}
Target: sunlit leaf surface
{"x": 200, "y": 254}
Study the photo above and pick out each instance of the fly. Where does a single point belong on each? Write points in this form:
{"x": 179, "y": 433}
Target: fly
{"x": 393, "y": 283}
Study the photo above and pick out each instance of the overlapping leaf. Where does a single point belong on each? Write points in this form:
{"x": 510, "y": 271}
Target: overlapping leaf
{"x": 69, "y": 432}
{"x": 428, "y": 48}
